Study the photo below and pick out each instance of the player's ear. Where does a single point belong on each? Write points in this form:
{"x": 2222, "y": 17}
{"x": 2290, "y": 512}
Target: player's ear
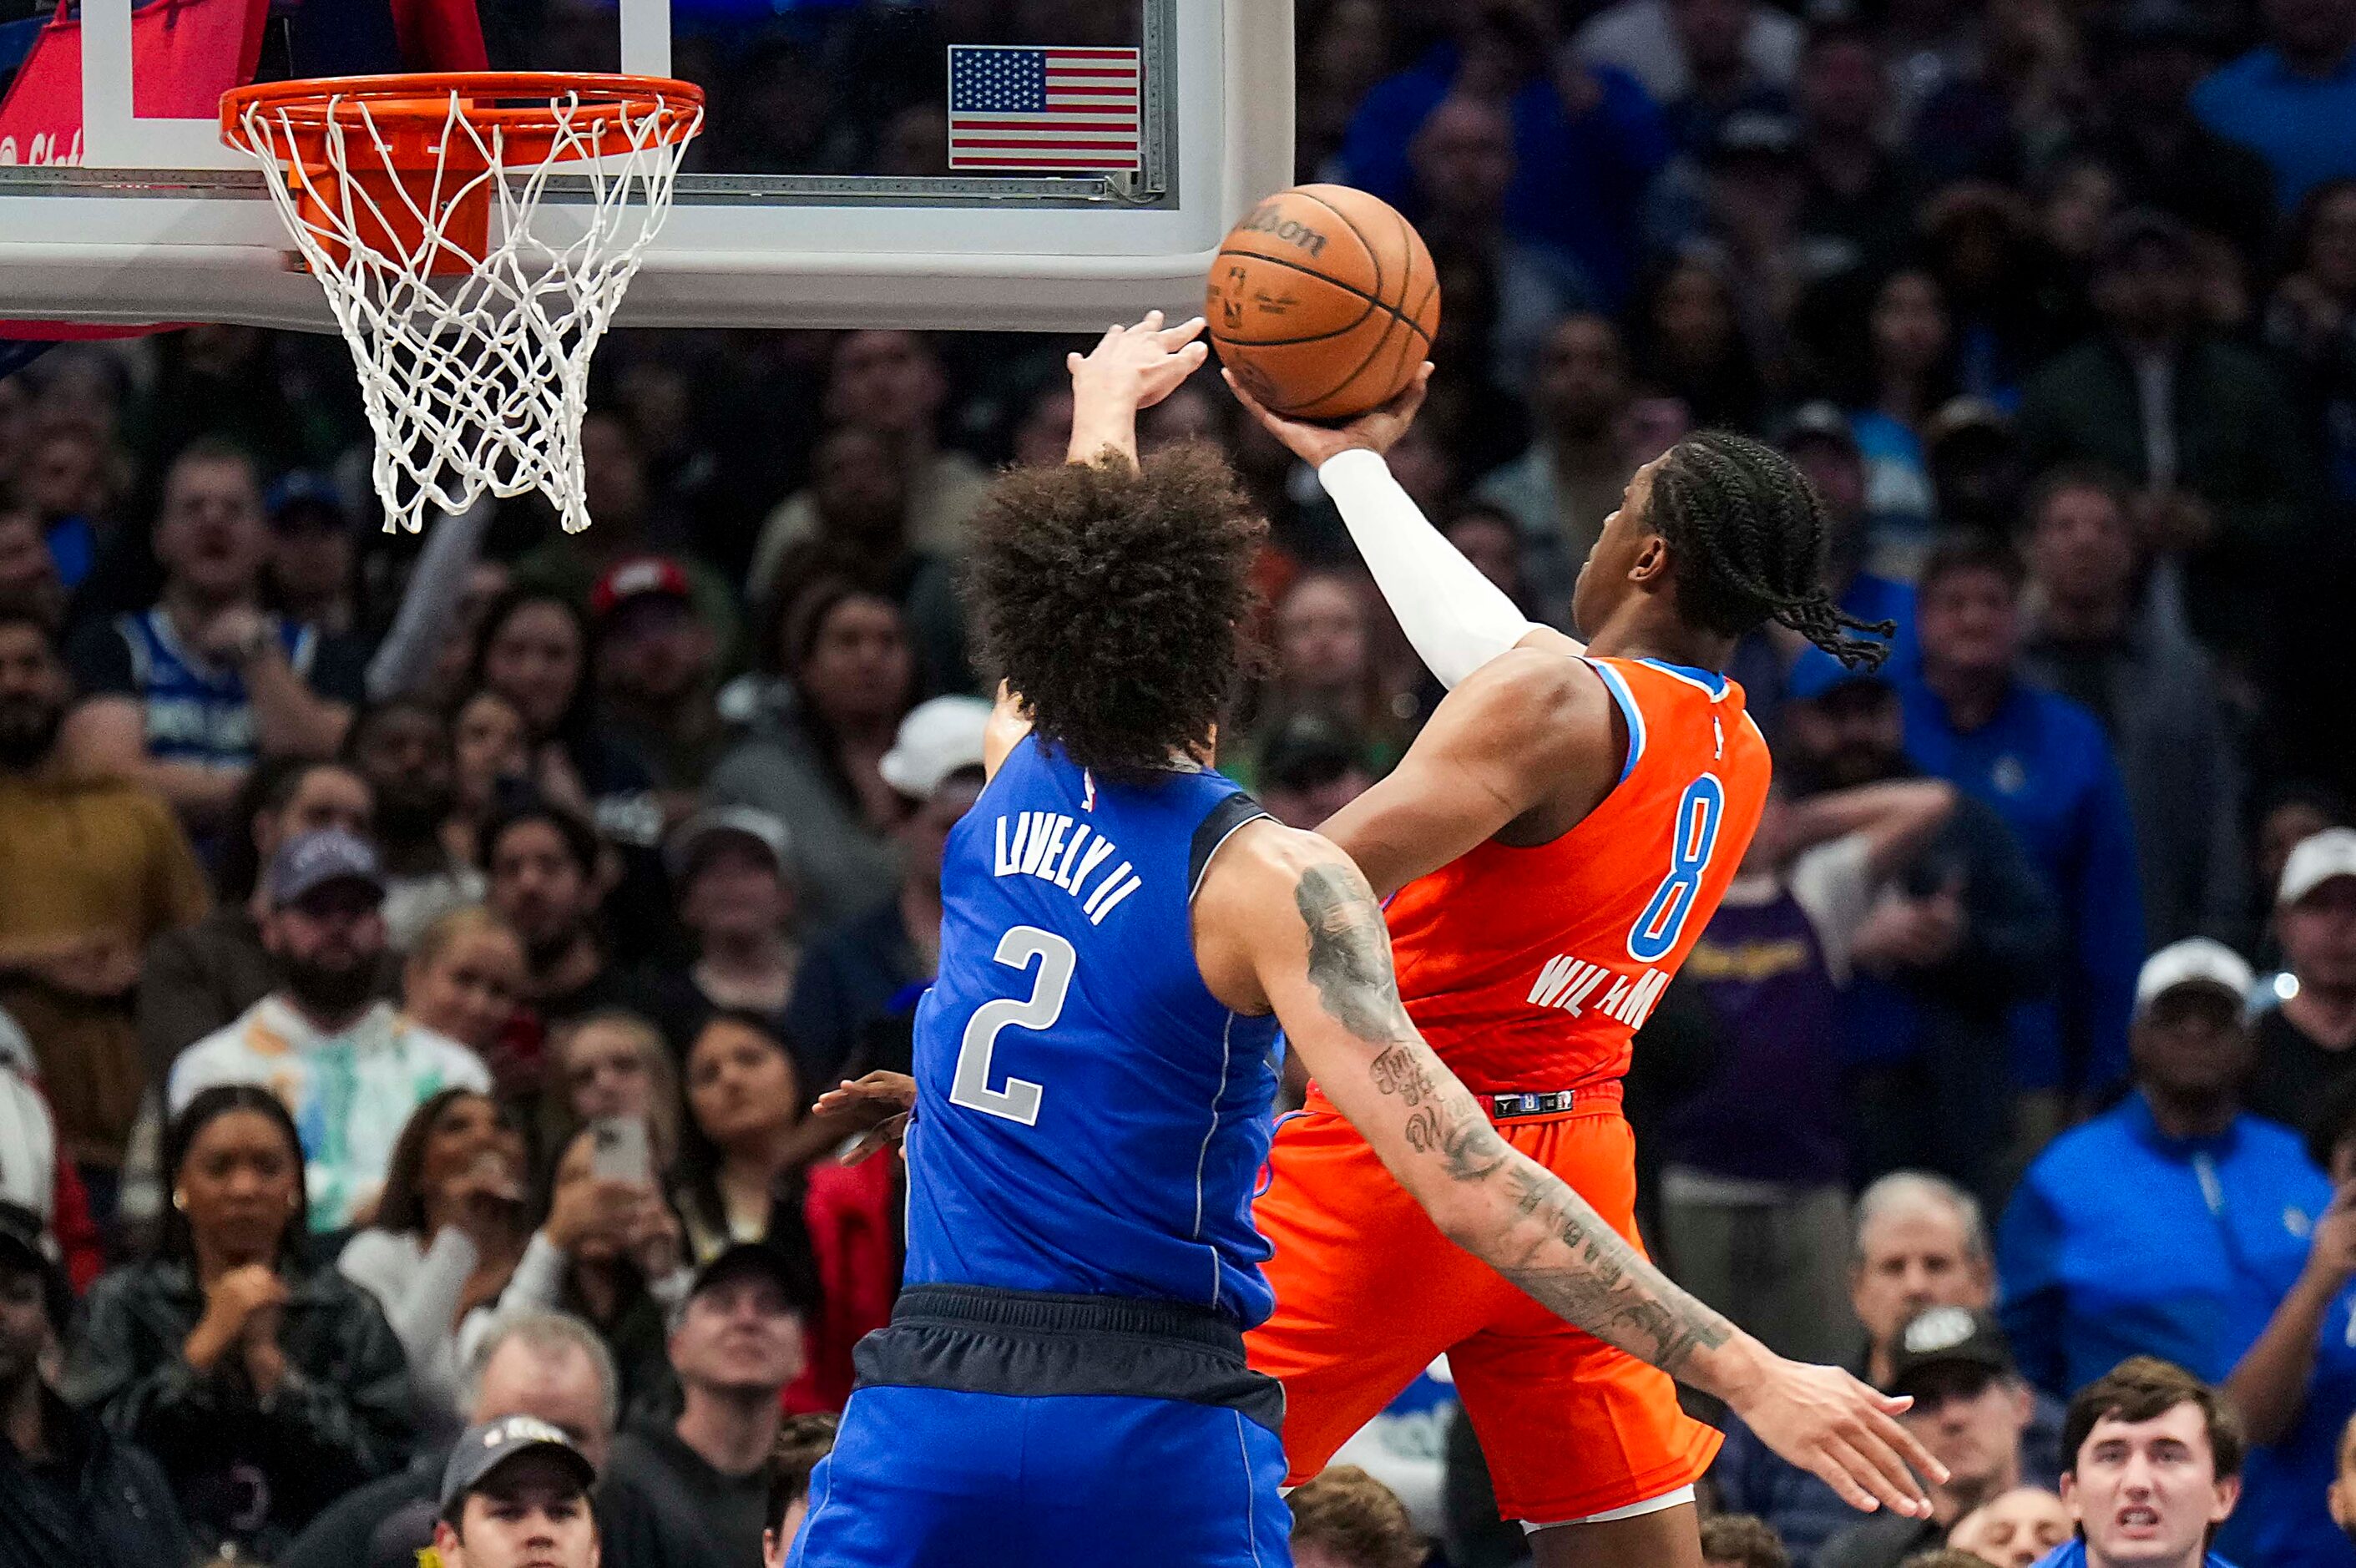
{"x": 1651, "y": 569}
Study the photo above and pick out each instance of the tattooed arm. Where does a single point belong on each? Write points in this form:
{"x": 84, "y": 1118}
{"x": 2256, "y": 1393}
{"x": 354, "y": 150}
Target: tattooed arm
{"x": 1285, "y": 922}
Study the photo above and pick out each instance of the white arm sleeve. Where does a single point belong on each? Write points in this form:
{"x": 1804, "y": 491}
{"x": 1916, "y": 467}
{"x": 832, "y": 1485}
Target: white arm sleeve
{"x": 1456, "y": 618}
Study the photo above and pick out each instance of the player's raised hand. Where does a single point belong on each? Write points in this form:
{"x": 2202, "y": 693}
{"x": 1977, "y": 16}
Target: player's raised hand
{"x": 1130, "y": 368}
{"x": 1139, "y": 365}
{"x": 1843, "y": 1432}
{"x": 1376, "y": 430}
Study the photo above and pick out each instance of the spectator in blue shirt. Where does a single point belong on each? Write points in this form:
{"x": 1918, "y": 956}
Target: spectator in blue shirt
{"x": 2042, "y": 761}
{"x": 1587, "y": 140}
{"x": 2295, "y": 1387}
{"x": 2292, "y": 98}
{"x": 2172, "y": 1225}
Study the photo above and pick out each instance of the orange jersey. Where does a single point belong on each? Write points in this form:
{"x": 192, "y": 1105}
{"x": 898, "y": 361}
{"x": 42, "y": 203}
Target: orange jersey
{"x": 1531, "y": 969}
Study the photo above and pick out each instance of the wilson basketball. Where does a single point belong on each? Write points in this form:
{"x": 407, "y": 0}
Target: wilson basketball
{"x": 1324, "y": 302}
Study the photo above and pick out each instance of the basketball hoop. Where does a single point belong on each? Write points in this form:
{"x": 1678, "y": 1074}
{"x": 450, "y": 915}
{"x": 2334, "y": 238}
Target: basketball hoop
{"x": 471, "y": 311}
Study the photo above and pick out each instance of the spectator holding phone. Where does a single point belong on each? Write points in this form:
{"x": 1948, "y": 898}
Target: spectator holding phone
{"x": 449, "y": 1232}
{"x": 613, "y": 1064}
{"x": 609, "y": 1252}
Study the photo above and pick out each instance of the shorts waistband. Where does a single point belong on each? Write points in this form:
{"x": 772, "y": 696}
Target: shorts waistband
{"x": 1042, "y": 1312}
{"x": 1034, "y": 1345}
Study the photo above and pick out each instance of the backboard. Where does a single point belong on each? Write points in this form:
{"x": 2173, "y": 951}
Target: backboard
{"x": 850, "y": 172}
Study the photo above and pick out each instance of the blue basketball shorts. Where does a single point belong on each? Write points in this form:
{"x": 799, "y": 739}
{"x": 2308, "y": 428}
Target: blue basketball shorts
{"x": 1009, "y": 1430}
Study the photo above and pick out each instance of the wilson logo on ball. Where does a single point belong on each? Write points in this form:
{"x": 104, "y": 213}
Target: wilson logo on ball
{"x": 1269, "y": 219}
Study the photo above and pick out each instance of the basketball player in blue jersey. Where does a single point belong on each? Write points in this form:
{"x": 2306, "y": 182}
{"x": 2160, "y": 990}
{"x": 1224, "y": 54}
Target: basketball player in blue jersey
{"x": 1062, "y": 1380}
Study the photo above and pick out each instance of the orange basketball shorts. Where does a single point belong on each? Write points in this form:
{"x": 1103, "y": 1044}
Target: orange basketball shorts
{"x": 1368, "y": 1293}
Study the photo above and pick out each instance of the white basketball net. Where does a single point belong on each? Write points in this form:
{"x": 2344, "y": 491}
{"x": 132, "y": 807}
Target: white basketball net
{"x": 476, "y": 381}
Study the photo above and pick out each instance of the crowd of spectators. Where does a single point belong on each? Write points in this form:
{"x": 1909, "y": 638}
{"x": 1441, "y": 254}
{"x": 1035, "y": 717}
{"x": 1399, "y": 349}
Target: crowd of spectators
{"x": 419, "y": 956}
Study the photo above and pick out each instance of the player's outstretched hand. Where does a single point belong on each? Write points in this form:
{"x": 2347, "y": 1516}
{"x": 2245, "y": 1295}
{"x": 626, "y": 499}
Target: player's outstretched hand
{"x": 1376, "y": 430}
{"x": 1137, "y": 367}
{"x": 876, "y": 1107}
{"x": 1848, "y": 1435}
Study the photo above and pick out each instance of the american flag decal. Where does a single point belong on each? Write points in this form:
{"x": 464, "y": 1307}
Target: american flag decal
{"x": 1043, "y": 110}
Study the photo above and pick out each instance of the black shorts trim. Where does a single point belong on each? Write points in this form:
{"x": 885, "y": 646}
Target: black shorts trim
{"x": 1031, "y": 1345}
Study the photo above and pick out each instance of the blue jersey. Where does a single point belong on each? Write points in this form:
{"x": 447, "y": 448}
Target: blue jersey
{"x": 1090, "y": 1121}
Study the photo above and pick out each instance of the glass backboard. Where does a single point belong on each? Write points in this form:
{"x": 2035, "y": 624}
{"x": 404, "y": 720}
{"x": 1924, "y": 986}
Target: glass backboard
{"x": 1000, "y": 164}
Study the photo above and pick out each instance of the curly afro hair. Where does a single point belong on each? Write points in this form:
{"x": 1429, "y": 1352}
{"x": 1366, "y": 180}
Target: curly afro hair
{"x": 1114, "y": 599}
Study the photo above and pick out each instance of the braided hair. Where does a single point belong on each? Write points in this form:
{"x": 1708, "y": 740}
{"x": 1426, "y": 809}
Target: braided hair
{"x": 1746, "y": 534}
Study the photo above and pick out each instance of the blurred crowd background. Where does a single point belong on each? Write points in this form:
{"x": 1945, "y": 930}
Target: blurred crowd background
{"x": 2029, "y": 1020}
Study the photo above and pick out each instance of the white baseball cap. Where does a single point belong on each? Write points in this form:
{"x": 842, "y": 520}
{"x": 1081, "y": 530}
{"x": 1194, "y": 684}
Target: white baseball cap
{"x": 2195, "y": 959}
{"x": 937, "y": 739}
{"x": 2317, "y": 859}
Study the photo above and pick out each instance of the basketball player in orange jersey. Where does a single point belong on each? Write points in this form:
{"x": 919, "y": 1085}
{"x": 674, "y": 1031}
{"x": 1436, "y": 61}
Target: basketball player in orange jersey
{"x": 1550, "y": 847}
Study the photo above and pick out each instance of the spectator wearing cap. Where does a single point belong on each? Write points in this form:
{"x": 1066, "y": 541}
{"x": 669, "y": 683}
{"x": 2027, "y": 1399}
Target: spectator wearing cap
{"x": 2306, "y": 1036}
{"x": 731, "y": 873}
{"x": 1755, "y": 1176}
{"x": 70, "y": 1492}
{"x": 1587, "y": 138}
{"x": 345, "y": 1063}
{"x": 265, "y": 1386}
{"x": 2296, "y": 1387}
{"x": 1919, "y": 1243}
{"x": 198, "y": 979}
{"x": 861, "y": 981}
{"x": 1963, "y": 930}
{"x": 1972, "y": 1410}
{"x": 2152, "y": 1466}
{"x": 701, "y": 1483}
{"x": 627, "y": 520}
{"x": 656, "y": 672}
{"x": 2199, "y": 425}
{"x": 186, "y": 695}
{"x": 2043, "y": 763}
{"x": 90, "y": 871}
{"x": 2294, "y": 97}
{"x": 848, "y": 677}
{"x": 1559, "y": 491}
{"x": 541, "y": 1364}
{"x": 2101, "y": 631}
{"x": 2148, "y": 57}
{"x": 403, "y": 749}
{"x": 1309, "y": 768}
{"x": 309, "y": 577}
{"x": 1978, "y": 476}
{"x": 516, "y": 1495}
{"x": 2172, "y": 1225}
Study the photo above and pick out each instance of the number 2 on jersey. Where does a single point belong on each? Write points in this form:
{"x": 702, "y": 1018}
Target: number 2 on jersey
{"x": 1019, "y": 1101}
{"x": 1654, "y": 935}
